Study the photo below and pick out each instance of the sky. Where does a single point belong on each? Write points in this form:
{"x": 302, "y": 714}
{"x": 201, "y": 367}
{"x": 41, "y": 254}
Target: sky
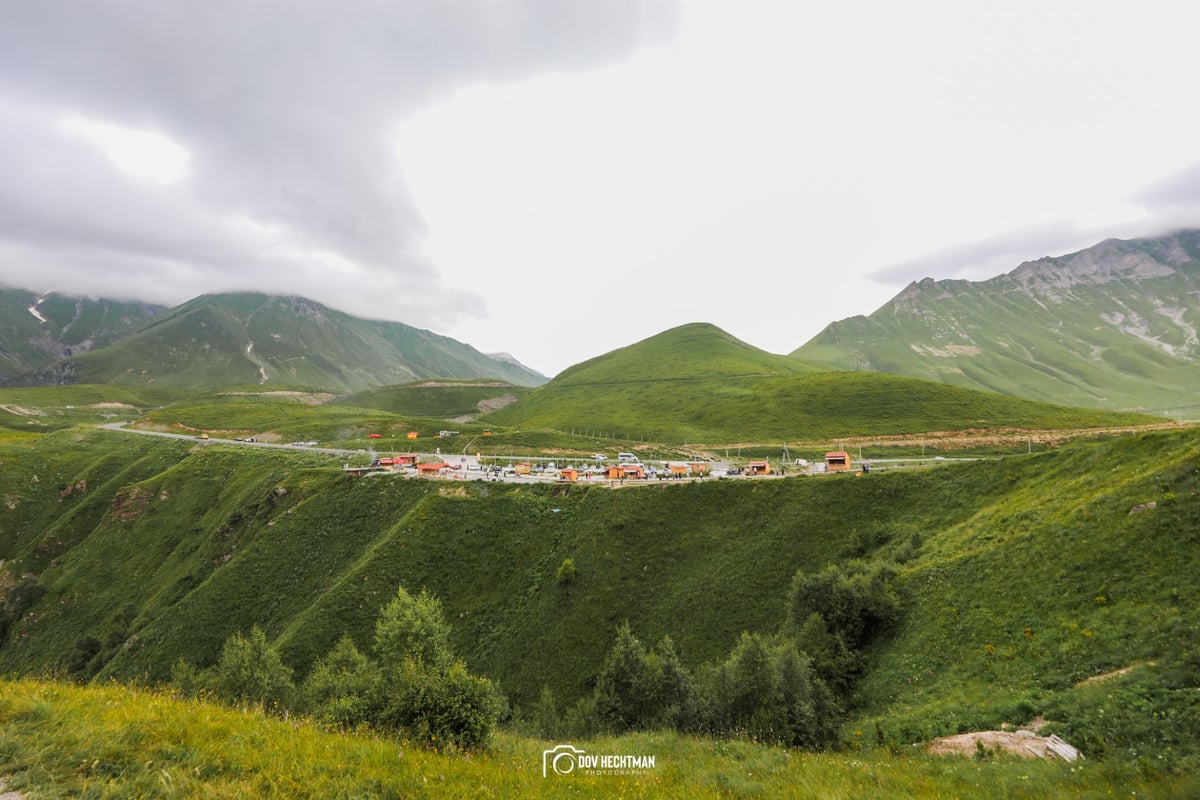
{"x": 556, "y": 179}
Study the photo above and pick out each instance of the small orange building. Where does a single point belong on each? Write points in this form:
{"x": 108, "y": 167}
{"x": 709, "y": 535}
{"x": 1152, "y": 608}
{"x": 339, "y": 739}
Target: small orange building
{"x": 758, "y": 468}
{"x": 413, "y": 434}
{"x": 837, "y": 461}
{"x": 622, "y": 471}
{"x": 569, "y": 474}
{"x": 432, "y": 469}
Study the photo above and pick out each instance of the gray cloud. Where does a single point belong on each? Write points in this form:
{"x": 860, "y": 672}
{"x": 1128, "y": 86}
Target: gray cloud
{"x": 1168, "y": 204}
{"x": 288, "y": 108}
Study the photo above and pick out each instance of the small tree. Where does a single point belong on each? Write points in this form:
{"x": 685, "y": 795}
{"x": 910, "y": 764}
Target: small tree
{"x": 250, "y": 671}
{"x": 547, "y": 722}
{"x": 340, "y": 686}
{"x": 420, "y": 685}
{"x": 626, "y": 686}
{"x": 566, "y": 571}
{"x": 413, "y": 627}
{"x": 765, "y": 689}
{"x": 639, "y": 689}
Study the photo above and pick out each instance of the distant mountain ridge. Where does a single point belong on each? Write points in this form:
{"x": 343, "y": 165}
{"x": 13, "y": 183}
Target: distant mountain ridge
{"x": 1113, "y": 326}
{"x": 37, "y": 330}
{"x": 698, "y": 383}
{"x": 250, "y": 338}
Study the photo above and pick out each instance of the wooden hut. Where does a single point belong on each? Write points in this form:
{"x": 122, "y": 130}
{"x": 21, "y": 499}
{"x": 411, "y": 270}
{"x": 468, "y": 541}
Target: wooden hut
{"x": 758, "y": 468}
{"x": 837, "y": 461}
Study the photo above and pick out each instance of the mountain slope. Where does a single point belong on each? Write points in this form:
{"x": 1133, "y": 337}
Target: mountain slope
{"x": 36, "y": 331}
{"x": 232, "y": 339}
{"x": 1114, "y": 326}
{"x": 1019, "y": 577}
{"x": 696, "y": 383}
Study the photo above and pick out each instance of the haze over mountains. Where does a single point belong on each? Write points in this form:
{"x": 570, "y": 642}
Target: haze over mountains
{"x": 226, "y": 340}
{"x": 1112, "y": 327}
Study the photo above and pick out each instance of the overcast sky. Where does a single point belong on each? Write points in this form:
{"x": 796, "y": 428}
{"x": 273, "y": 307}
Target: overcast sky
{"x": 559, "y": 178}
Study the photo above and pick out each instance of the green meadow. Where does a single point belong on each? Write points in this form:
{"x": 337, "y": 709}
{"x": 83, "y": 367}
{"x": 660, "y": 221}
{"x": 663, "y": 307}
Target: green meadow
{"x": 1054, "y": 585}
{"x": 109, "y": 741}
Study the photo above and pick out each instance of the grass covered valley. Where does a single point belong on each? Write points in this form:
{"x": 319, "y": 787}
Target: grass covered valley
{"x": 187, "y": 617}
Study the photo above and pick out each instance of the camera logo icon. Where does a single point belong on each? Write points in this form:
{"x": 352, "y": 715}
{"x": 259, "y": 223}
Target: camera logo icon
{"x": 560, "y": 759}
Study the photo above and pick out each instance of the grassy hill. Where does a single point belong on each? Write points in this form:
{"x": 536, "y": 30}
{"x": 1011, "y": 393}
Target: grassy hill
{"x": 109, "y": 741}
{"x": 438, "y": 399}
{"x": 697, "y": 383}
{"x": 38, "y": 331}
{"x": 1021, "y": 578}
{"x": 236, "y": 339}
{"x": 1112, "y": 327}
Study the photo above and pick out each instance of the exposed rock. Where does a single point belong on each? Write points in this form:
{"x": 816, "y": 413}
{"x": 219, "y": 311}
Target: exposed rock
{"x": 1022, "y": 743}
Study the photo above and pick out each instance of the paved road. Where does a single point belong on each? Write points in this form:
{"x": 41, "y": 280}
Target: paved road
{"x": 469, "y": 466}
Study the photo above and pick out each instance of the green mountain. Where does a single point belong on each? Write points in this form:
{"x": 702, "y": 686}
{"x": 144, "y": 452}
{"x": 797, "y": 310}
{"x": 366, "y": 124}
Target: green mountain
{"x": 1114, "y": 326}
{"x": 696, "y": 383}
{"x": 1017, "y": 579}
{"x": 37, "y": 331}
{"x": 237, "y": 339}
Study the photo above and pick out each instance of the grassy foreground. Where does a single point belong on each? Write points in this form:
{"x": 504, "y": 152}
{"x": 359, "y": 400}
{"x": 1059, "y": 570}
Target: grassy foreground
{"x": 59, "y": 740}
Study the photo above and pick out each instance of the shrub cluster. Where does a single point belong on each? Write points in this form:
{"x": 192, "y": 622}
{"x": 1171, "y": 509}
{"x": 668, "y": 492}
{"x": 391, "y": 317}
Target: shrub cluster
{"x": 411, "y": 683}
{"x": 787, "y": 688}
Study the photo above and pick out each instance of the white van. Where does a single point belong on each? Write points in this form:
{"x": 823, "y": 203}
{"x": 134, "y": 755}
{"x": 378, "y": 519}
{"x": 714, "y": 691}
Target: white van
{"x": 627, "y": 458}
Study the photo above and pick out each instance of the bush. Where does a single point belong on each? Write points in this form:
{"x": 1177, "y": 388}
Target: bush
{"x": 413, "y": 628}
{"x": 625, "y": 688}
{"x": 339, "y": 688}
{"x": 250, "y": 671}
{"x": 766, "y": 690}
{"x": 857, "y": 600}
{"x": 415, "y": 683}
{"x": 448, "y": 709}
{"x": 638, "y": 689}
{"x": 566, "y": 571}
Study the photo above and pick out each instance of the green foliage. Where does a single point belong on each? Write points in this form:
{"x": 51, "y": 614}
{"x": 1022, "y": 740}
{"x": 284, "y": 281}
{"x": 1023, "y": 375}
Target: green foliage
{"x": 765, "y": 690}
{"x": 421, "y": 686}
{"x": 857, "y": 600}
{"x": 111, "y": 741}
{"x": 837, "y": 612}
{"x": 162, "y": 550}
{"x": 566, "y": 571}
{"x": 340, "y": 688}
{"x": 445, "y": 707}
{"x": 546, "y": 720}
{"x": 413, "y": 629}
{"x": 250, "y": 671}
{"x": 1133, "y": 718}
{"x": 627, "y": 686}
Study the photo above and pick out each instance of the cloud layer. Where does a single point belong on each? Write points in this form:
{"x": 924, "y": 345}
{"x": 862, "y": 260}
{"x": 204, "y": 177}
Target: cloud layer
{"x": 287, "y": 110}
